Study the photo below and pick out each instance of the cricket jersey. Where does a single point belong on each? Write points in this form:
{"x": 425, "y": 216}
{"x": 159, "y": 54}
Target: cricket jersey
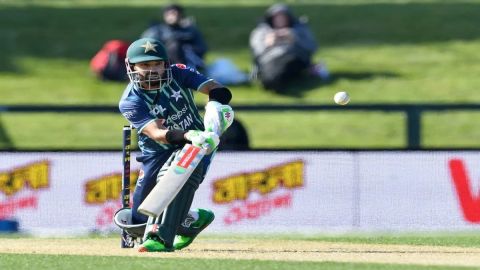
{"x": 173, "y": 103}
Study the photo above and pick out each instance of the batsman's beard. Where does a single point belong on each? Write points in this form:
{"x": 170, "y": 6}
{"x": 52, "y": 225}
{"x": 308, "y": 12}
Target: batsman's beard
{"x": 151, "y": 81}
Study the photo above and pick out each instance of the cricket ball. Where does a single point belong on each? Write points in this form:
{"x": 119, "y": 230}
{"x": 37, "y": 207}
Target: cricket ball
{"x": 341, "y": 98}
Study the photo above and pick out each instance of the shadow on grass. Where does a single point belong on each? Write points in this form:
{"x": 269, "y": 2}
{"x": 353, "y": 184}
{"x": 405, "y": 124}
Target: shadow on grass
{"x": 77, "y": 33}
{"x": 360, "y": 75}
{"x": 5, "y": 142}
{"x": 298, "y": 87}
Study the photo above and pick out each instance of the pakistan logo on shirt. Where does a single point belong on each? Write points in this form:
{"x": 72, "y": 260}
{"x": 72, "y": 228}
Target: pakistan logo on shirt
{"x": 176, "y": 95}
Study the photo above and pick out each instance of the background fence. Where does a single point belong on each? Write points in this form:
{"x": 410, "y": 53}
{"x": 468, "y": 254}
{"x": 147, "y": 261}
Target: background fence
{"x": 413, "y": 112}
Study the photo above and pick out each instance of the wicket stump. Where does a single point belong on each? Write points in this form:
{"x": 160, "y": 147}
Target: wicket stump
{"x": 127, "y": 241}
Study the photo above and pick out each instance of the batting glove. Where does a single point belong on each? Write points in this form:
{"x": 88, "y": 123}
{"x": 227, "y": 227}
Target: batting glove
{"x": 204, "y": 139}
{"x": 218, "y": 117}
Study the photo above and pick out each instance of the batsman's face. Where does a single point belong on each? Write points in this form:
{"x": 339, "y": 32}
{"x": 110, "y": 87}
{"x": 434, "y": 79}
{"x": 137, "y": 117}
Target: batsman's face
{"x": 150, "y": 66}
{"x": 151, "y": 73}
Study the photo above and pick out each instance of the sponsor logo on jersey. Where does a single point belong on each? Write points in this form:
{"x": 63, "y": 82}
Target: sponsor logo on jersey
{"x": 128, "y": 114}
{"x": 180, "y": 120}
{"x": 158, "y": 109}
{"x": 178, "y": 115}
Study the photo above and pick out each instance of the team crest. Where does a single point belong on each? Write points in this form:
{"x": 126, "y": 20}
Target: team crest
{"x": 149, "y": 47}
{"x": 176, "y": 95}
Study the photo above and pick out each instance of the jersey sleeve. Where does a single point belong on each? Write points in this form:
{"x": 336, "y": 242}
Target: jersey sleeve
{"x": 189, "y": 77}
{"x": 136, "y": 113}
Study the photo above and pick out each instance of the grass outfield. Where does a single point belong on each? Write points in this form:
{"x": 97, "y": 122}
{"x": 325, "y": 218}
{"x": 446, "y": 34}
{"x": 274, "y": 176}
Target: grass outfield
{"x": 379, "y": 51}
{"x": 442, "y": 251}
{"x": 51, "y": 262}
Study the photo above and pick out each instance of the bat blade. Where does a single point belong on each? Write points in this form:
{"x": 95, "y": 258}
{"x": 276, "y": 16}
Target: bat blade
{"x": 172, "y": 181}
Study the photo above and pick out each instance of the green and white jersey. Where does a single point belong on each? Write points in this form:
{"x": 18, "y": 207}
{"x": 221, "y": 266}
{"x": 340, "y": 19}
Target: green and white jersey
{"x": 174, "y": 103}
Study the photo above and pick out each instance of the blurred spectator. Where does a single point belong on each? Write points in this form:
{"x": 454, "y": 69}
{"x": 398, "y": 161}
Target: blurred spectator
{"x": 182, "y": 39}
{"x": 224, "y": 71}
{"x": 109, "y": 62}
{"x": 282, "y": 48}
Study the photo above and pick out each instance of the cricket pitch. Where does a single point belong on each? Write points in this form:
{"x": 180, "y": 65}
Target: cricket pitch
{"x": 264, "y": 249}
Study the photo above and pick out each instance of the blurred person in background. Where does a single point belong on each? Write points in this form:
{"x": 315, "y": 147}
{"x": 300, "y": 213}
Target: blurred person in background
{"x": 282, "y": 48}
{"x": 109, "y": 62}
{"x": 182, "y": 39}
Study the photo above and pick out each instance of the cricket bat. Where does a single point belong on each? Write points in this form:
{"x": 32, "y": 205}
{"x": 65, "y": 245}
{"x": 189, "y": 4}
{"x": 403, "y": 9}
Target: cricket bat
{"x": 172, "y": 181}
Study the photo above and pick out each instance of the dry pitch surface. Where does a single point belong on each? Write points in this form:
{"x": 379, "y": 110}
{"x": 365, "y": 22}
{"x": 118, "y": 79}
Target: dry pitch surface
{"x": 279, "y": 250}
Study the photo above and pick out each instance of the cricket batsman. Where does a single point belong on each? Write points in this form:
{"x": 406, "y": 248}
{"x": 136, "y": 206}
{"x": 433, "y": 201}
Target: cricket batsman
{"x": 159, "y": 103}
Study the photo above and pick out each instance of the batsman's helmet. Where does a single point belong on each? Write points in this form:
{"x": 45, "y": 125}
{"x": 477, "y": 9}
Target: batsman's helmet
{"x": 143, "y": 50}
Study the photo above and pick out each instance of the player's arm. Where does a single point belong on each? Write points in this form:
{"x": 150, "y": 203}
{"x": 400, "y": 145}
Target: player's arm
{"x": 192, "y": 79}
{"x": 210, "y": 85}
{"x": 157, "y": 131}
{"x": 216, "y": 92}
{"x": 218, "y": 114}
{"x": 137, "y": 114}
{"x": 140, "y": 118}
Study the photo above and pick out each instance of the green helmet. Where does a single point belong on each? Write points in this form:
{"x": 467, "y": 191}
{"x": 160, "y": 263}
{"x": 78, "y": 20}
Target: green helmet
{"x": 146, "y": 49}
{"x": 143, "y": 50}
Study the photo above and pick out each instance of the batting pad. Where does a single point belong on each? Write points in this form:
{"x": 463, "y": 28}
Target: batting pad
{"x": 172, "y": 182}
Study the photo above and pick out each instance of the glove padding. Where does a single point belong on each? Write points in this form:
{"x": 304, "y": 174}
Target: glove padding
{"x": 218, "y": 117}
{"x": 204, "y": 139}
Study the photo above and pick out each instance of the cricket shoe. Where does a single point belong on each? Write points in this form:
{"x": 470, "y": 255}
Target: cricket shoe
{"x": 205, "y": 217}
{"x": 153, "y": 244}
